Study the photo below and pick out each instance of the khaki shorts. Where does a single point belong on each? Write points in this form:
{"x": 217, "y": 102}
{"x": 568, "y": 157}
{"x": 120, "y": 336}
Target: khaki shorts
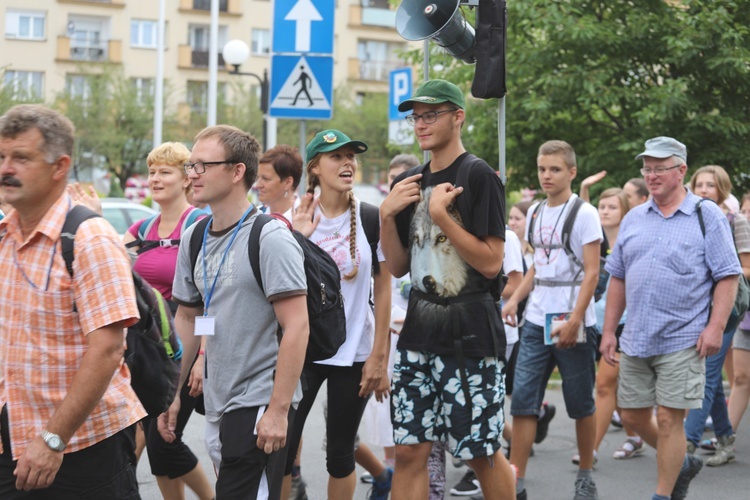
{"x": 674, "y": 380}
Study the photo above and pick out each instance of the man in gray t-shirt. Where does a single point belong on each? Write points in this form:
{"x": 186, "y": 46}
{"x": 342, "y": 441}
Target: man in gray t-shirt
{"x": 251, "y": 379}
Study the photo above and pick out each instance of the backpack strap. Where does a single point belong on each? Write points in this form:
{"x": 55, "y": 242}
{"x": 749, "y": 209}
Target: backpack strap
{"x": 568, "y": 229}
{"x": 76, "y": 216}
{"x": 253, "y": 245}
{"x": 370, "y": 217}
{"x": 530, "y": 236}
{"x": 145, "y": 227}
{"x": 196, "y": 241}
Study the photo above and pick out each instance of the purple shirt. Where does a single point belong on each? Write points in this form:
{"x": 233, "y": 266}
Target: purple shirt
{"x": 669, "y": 269}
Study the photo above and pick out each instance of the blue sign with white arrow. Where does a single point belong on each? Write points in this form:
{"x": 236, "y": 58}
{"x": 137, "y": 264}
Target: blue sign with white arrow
{"x": 303, "y": 26}
{"x": 301, "y": 87}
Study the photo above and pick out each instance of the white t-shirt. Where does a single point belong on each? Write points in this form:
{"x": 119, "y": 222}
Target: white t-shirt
{"x": 332, "y": 235}
{"x": 554, "y": 264}
{"x": 512, "y": 262}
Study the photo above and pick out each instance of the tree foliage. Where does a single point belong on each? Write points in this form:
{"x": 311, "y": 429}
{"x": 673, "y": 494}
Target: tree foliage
{"x": 111, "y": 121}
{"x": 607, "y": 75}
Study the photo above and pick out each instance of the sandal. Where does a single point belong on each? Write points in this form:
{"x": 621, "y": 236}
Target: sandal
{"x": 629, "y": 449}
{"x": 576, "y": 459}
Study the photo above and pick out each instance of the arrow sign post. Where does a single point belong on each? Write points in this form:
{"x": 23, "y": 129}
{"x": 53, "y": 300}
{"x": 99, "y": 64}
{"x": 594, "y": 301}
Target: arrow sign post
{"x": 303, "y": 26}
{"x": 303, "y": 14}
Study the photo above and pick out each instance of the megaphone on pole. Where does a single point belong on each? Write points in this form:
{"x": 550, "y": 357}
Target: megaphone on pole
{"x": 440, "y": 21}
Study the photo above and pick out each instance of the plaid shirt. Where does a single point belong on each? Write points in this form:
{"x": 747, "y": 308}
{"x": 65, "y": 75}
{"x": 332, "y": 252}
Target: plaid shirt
{"x": 42, "y": 340}
{"x": 669, "y": 268}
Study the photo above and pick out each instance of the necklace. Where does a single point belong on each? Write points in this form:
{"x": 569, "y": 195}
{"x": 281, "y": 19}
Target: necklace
{"x": 337, "y": 231}
{"x": 548, "y": 251}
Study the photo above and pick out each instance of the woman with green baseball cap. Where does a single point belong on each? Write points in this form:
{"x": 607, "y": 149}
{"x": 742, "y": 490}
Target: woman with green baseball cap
{"x": 333, "y": 222}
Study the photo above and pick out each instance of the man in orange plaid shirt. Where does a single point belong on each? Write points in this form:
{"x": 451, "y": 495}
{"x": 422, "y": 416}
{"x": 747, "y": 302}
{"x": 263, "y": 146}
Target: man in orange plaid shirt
{"x": 67, "y": 406}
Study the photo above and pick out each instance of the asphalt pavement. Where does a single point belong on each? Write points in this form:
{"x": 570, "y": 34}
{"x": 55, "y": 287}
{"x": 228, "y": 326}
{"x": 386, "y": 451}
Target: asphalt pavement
{"x": 550, "y": 473}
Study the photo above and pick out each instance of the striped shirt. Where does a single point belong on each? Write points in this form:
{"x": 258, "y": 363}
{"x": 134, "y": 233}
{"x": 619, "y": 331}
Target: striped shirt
{"x": 669, "y": 268}
{"x": 42, "y": 340}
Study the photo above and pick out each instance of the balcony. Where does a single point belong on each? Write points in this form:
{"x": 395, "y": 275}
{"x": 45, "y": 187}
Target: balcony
{"x": 377, "y": 71}
{"x": 195, "y": 59}
{"x": 118, "y": 4}
{"x": 226, "y": 7}
{"x": 108, "y": 51}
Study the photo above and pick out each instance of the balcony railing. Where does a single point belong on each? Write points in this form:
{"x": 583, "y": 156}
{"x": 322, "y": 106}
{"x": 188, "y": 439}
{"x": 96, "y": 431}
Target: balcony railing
{"x": 199, "y": 59}
{"x": 103, "y": 51}
{"x": 378, "y": 71}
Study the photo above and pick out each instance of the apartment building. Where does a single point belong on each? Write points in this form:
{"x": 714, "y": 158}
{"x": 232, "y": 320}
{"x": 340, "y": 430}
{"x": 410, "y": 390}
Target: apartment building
{"x": 49, "y": 46}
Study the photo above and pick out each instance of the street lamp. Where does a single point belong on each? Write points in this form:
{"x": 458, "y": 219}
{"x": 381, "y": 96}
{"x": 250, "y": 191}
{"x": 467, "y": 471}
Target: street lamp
{"x": 235, "y": 53}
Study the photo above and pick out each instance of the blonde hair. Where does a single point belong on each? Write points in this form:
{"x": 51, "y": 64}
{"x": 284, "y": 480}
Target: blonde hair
{"x": 172, "y": 154}
{"x": 721, "y": 178}
{"x": 618, "y": 193}
{"x": 561, "y": 148}
{"x": 312, "y": 183}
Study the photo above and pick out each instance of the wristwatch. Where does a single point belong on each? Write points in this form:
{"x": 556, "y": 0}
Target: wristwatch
{"x": 53, "y": 441}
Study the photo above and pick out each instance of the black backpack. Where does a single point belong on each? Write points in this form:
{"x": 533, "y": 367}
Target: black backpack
{"x": 154, "y": 350}
{"x": 325, "y": 303}
{"x": 604, "y": 251}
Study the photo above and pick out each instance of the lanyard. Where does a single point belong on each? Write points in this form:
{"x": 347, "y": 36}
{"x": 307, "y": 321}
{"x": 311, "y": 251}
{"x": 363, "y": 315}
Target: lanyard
{"x": 223, "y": 257}
{"x": 49, "y": 271}
{"x": 548, "y": 251}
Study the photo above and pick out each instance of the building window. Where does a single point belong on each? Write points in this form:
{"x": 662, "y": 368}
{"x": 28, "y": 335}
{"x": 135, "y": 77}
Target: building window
{"x": 198, "y": 38}
{"x": 144, "y": 89}
{"x": 143, "y": 34}
{"x": 25, "y": 85}
{"x": 78, "y": 87}
{"x": 261, "y": 42}
{"x": 197, "y": 96}
{"x": 206, "y": 5}
{"x": 377, "y": 59}
{"x": 25, "y": 24}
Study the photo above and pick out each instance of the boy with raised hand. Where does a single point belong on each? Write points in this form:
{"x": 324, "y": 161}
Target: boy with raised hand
{"x": 556, "y": 284}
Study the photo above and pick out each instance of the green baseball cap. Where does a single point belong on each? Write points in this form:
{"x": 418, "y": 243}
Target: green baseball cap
{"x": 435, "y": 92}
{"x": 331, "y": 140}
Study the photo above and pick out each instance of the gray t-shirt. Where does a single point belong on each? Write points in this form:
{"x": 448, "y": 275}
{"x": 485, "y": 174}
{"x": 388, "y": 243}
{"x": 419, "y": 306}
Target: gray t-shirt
{"x": 241, "y": 356}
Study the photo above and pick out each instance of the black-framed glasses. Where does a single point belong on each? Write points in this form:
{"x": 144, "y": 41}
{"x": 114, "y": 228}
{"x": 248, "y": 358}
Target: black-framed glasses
{"x": 658, "y": 170}
{"x": 428, "y": 117}
{"x": 200, "y": 166}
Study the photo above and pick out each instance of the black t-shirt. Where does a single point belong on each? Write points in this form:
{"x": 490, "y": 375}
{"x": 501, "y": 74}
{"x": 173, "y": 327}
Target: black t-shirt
{"x": 437, "y": 268}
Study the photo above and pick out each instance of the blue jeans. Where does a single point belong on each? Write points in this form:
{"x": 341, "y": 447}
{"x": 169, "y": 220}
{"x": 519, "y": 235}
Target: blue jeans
{"x": 535, "y": 364}
{"x": 714, "y": 401}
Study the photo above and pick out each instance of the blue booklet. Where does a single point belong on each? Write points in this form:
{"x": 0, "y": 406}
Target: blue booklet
{"x": 555, "y": 320}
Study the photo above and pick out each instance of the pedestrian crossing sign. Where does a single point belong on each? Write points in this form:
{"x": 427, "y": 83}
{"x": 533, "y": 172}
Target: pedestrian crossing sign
{"x": 301, "y": 87}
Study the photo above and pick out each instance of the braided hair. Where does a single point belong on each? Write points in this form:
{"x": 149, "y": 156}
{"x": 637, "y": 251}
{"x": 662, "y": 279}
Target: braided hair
{"x": 312, "y": 182}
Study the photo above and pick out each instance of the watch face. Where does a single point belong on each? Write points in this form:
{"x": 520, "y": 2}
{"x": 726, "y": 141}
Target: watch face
{"x": 55, "y": 442}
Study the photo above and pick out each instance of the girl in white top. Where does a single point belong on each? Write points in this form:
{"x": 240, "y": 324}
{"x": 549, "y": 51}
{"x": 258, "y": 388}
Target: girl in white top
{"x": 332, "y": 221}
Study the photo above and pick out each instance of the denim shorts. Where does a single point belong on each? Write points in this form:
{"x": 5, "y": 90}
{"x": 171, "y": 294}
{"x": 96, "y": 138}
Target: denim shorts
{"x": 535, "y": 364}
{"x": 428, "y": 403}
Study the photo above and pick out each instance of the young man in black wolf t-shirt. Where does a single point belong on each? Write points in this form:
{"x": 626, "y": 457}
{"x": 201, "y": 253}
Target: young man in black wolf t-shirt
{"x": 444, "y": 223}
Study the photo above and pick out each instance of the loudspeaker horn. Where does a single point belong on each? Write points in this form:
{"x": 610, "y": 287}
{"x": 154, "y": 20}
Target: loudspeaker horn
{"x": 439, "y": 20}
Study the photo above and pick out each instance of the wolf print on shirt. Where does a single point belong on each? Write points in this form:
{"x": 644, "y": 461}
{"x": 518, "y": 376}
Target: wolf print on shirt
{"x": 436, "y": 266}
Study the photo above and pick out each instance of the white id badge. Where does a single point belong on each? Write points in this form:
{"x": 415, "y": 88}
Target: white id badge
{"x": 544, "y": 270}
{"x": 204, "y": 325}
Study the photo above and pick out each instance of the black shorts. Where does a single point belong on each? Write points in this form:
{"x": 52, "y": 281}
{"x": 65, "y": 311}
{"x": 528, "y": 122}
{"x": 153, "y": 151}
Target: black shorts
{"x": 102, "y": 470}
{"x": 246, "y": 471}
{"x": 618, "y": 333}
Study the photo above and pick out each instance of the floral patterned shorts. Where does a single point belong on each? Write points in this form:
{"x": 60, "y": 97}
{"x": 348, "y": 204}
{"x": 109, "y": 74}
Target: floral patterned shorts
{"x": 428, "y": 404}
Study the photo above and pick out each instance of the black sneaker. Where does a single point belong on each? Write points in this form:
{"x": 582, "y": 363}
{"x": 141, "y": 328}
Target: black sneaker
{"x": 467, "y": 486}
{"x": 542, "y": 425}
{"x": 521, "y": 495}
{"x": 687, "y": 473}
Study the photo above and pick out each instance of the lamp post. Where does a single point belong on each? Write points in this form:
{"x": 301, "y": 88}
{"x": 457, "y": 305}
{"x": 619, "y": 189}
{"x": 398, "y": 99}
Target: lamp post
{"x": 235, "y": 53}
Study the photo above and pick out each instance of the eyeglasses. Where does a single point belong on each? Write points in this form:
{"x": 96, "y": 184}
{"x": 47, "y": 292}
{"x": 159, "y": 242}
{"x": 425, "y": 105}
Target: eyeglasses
{"x": 200, "y": 166}
{"x": 428, "y": 117}
{"x": 658, "y": 170}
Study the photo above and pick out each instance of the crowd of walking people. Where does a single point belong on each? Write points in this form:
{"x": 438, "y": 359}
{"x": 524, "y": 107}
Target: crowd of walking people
{"x": 448, "y": 312}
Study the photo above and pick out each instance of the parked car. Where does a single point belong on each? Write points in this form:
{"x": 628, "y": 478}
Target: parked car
{"x": 122, "y": 213}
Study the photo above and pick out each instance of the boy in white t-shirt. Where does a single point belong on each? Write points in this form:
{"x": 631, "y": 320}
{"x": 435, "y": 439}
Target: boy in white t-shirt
{"x": 556, "y": 284}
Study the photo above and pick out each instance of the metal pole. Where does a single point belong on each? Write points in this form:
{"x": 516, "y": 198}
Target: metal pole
{"x": 501, "y": 137}
{"x": 426, "y": 74}
{"x": 159, "y": 84}
{"x": 213, "y": 63}
{"x": 302, "y": 144}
